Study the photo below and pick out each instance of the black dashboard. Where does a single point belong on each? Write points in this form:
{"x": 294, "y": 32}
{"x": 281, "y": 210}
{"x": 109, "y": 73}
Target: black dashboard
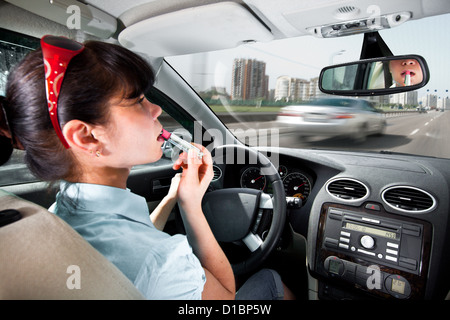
{"x": 376, "y": 224}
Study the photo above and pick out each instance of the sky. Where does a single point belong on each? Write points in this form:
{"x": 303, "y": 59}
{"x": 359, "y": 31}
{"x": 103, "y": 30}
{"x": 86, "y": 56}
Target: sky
{"x": 304, "y": 57}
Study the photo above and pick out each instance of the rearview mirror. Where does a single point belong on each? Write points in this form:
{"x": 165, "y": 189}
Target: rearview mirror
{"x": 378, "y": 76}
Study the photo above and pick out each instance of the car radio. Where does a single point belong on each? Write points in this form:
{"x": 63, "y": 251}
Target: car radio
{"x": 373, "y": 250}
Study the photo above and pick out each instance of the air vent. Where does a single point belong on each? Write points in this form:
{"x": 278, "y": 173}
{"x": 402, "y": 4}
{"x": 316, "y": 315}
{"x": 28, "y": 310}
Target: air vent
{"x": 346, "y": 12}
{"x": 217, "y": 173}
{"x": 409, "y": 199}
{"x": 347, "y": 189}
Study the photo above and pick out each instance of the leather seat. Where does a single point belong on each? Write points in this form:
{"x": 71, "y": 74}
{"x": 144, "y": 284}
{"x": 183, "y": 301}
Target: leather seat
{"x": 42, "y": 257}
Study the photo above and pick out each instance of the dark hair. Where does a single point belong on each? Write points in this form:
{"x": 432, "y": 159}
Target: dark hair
{"x": 102, "y": 71}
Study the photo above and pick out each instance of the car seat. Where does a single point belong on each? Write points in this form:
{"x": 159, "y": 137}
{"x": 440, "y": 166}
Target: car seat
{"x": 42, "y": 257}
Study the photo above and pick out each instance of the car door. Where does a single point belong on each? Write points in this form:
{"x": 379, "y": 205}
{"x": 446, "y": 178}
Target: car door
{"x": 373, "y": 117}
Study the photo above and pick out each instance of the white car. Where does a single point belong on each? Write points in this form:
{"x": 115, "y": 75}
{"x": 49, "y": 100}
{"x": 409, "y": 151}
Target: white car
{"x": 330, "y": 117}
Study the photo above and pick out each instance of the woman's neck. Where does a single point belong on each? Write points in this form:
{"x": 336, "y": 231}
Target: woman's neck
{"x": 107, "y": 176}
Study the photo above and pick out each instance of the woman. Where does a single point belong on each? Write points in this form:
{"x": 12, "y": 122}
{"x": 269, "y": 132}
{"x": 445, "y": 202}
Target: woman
{"x": 88, "y": 132}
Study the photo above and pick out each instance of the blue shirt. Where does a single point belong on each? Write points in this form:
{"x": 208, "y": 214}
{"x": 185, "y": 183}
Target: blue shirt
{"x": 116, "y": 222}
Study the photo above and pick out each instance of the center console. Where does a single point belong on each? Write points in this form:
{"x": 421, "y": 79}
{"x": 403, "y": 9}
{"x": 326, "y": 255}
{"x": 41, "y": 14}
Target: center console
{"x": 367, "y": 249}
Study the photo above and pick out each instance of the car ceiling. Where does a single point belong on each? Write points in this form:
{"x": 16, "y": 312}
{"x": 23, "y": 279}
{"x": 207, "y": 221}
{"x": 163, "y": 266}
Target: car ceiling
{"x": 174, "y": 27}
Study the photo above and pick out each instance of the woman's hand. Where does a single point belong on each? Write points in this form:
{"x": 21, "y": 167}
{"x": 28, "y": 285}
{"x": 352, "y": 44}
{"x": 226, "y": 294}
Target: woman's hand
{"x": 196, "y": 177}
{"x": 173, "y": 190}
{"x": 161, "y": 213}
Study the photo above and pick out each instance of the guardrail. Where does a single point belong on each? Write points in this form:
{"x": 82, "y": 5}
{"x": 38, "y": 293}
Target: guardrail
{"x": 397, "y": 113}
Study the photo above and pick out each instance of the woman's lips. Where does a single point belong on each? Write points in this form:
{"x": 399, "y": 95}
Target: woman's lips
{"x": 412, "y": 73}
{"x": 160, "y": 136}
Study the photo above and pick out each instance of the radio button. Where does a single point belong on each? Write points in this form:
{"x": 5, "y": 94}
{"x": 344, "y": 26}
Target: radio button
{"x": 346, "y": 240}
{"x": 366, "y": 252}
{"x": 393, "y": 252}
{"x": 392, "y": 245}
{"x": 345, "y": 234}
{"x": 367, "y": 242}
{"x": 393, "y": 259}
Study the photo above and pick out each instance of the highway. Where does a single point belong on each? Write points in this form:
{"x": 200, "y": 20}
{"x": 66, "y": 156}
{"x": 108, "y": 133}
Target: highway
{"x": 416, "y": 133}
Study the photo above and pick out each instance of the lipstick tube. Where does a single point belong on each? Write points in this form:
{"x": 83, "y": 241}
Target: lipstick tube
{"x": 407, "y": 78}
{"x": 180, "y": 143}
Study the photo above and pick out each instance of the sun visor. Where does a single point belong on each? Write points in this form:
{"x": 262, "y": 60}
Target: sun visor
{"x": 199, "y": 29}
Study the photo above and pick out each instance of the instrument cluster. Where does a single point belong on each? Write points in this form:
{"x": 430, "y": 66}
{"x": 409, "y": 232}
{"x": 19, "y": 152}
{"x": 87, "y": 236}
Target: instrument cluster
{"x": 297, "y": 183}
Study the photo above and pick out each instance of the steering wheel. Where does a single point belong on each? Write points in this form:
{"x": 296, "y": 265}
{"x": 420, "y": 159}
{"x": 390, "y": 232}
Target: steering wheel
{"x": 233, "y": 213}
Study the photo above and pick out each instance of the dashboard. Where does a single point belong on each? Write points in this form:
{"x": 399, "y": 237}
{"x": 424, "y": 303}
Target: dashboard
{"x": 297, "y": 182}
{"x": 376, "y": 224}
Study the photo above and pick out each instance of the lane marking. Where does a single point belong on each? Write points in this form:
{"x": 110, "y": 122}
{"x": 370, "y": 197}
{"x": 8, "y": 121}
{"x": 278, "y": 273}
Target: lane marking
{"x": 414, "y": 132}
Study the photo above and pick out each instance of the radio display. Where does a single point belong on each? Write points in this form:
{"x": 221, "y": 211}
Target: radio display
{"x": 374, "y": 231}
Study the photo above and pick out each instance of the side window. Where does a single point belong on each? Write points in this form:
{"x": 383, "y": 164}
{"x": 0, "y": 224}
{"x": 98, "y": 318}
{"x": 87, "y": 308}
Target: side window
{"x": 13, "y": 48}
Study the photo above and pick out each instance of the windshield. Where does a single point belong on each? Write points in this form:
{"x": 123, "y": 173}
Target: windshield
{"x": 265, "y": 86}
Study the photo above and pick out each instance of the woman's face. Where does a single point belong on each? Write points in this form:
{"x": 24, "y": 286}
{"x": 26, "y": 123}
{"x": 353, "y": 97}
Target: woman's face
{"x": 400, "y": 68}
{"x": 133, "y": 133}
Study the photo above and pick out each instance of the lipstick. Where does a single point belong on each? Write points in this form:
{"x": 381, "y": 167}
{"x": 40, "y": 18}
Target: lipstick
{"x": 407, "y": 78}
{"x": 180, "y": 143}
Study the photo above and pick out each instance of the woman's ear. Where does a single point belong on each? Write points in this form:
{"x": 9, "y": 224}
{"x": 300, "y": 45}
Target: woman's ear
{"x": 79, "y": 135}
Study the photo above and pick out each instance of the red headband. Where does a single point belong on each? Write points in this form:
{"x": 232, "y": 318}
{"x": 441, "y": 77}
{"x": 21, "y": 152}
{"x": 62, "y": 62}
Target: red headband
{"x": 57, "y": 53}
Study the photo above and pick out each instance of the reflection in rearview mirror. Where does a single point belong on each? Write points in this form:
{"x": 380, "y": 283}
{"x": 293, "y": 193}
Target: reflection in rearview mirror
{"x": 375, "y": 76}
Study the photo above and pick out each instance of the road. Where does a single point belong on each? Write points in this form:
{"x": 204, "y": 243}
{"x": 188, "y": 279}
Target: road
{"x": 417, "y": 133}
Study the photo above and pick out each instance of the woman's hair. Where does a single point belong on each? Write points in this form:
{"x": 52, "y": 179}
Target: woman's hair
{"x": 101, "y": 72}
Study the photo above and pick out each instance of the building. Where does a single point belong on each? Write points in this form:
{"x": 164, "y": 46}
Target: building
{"x": 291, "y": 89}
{"x": 249, "y": 80}
{"x": 404, "y": 98}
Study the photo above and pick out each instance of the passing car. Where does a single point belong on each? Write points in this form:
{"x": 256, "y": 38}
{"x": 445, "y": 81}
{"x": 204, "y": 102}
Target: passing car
{"x": 331, "y": 117}
{"x": 245, "y": 78}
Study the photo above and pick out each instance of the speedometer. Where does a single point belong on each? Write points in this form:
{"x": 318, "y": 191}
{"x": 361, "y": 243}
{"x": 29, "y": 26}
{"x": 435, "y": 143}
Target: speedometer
{"x": 297, "y": 185}
{"x": 252, "y": 178}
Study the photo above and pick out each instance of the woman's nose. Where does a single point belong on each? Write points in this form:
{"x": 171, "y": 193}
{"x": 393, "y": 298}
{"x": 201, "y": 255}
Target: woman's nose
{"x": 408, "y": 62}
{"x": 155, "y": 110}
